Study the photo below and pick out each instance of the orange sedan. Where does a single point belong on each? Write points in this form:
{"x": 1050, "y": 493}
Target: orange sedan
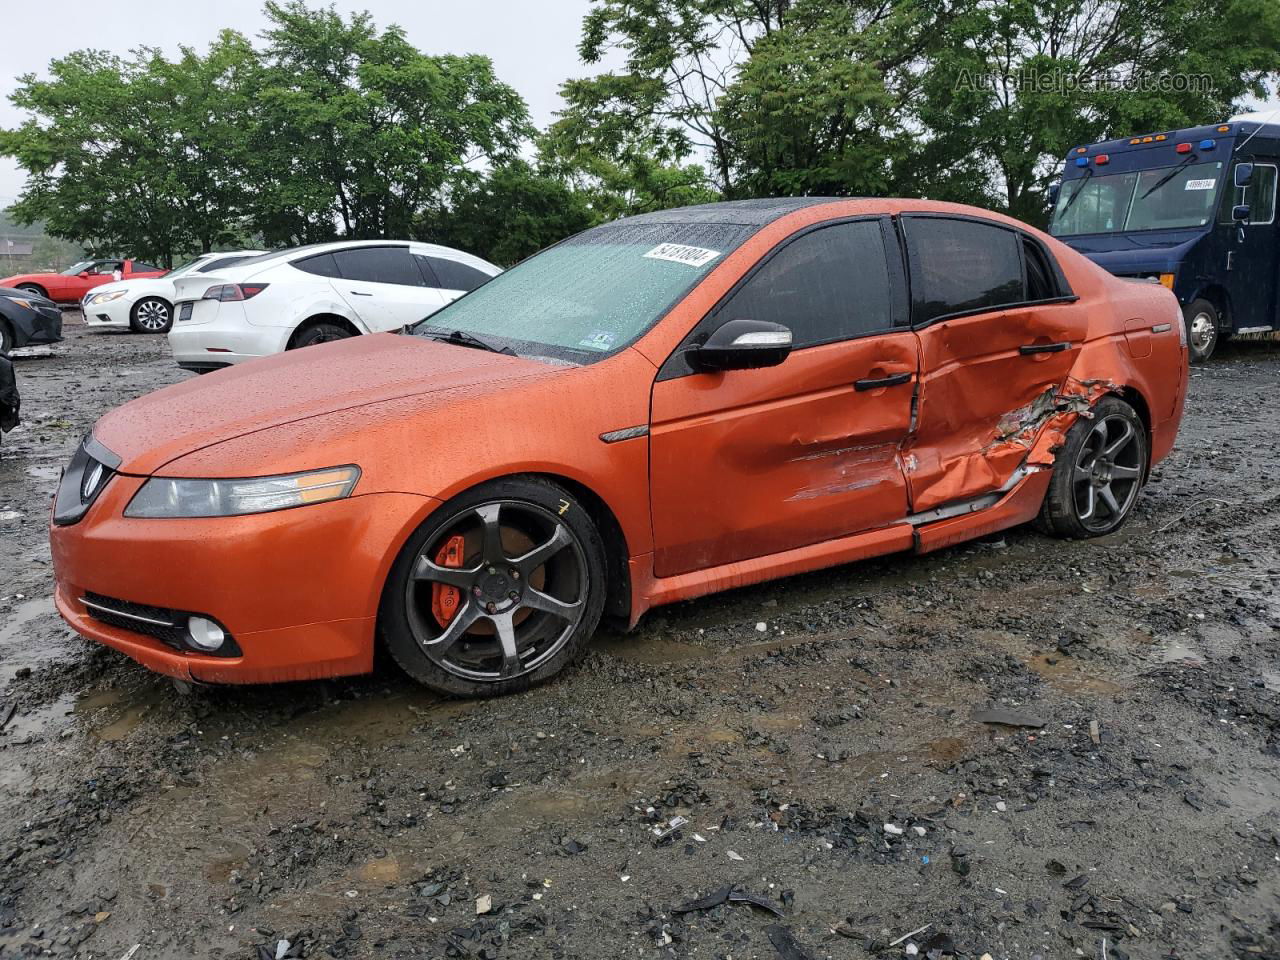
{"x": 652, "y": 410}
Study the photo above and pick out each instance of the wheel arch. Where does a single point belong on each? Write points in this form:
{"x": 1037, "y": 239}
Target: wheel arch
{"x": 618, "y": 584}
{"x": 1134, "y": 398}
{"x": 1217, "y": 295}
{"x": 39, "y": 287}
{"x": 318, "y": 318}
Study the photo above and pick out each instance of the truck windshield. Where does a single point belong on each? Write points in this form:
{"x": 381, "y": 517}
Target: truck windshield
{"x": 1159, "y": 199}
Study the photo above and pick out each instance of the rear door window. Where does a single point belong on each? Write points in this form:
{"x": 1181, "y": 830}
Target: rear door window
{"x": 961, "y": 266}
{"x": 379, "y": 265}
{"x": 453, "y": 275}
{"x": 322, "y": 265}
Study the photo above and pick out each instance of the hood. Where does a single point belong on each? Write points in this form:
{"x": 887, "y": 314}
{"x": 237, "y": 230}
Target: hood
{"x": 1127, "y": 253}
{"x": 153, "y": 430}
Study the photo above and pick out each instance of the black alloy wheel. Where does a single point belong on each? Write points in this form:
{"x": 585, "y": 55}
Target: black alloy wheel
{"x": 499, "y": 591}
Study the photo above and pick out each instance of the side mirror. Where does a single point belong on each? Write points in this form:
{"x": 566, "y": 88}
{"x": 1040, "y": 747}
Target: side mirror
{"x": 1243, "y": 174}
{"x": 744, "y": 345}
{"x": 1240, "y": 213}
{"x": 84, "y": 274}
{"x": 1053, "y": 193}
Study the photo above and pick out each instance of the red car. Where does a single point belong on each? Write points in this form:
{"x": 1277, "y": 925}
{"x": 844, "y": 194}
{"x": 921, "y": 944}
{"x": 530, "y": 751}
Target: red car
{"x": 73, "y": 283}
{"x": 658, "y": 408}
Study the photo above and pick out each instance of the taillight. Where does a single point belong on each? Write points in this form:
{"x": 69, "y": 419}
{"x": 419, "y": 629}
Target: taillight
{"x": 234, "y": 291}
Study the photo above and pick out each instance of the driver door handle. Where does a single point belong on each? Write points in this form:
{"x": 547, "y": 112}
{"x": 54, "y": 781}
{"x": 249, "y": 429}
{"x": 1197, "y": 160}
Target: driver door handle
{"x": 1030, "y": 348}
{"x": 893, "y": 380}
{"x": 361, "y": 293}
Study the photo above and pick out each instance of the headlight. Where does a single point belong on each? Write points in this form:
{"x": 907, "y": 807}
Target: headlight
{"x": 22, "y": 302}
{"x": 168, "y": 497}
{"x": 106, "y": 297}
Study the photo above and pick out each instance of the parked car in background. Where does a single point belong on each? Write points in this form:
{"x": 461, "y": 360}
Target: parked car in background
{"x": 308, "y": 295}
{"x": 658, "y": 408}
{"x": 73, "y": 283}
{"x": 145, "y": 305}
{"x": 26, "y": 318}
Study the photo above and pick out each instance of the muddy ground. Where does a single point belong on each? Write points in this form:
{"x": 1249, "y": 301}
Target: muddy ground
{"x": 817, "y": 734}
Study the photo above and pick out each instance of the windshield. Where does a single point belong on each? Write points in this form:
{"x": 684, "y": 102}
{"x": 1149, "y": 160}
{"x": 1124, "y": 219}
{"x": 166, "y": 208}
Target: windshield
{"x": 593, "y": 294}
{"x": 75, "y": 268}
{"x": 1164, "y": 198}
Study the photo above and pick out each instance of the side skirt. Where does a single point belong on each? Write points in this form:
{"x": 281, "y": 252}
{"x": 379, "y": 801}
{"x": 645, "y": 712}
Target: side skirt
{"x": 921, "y": 534}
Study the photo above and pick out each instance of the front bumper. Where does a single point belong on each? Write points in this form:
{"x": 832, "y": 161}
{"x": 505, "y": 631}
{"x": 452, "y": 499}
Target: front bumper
{"x": 116, "y": 313}
{"x": 35, "y": 326}
{"x": 298, "y": 590}
{"x": 219, "y": 335}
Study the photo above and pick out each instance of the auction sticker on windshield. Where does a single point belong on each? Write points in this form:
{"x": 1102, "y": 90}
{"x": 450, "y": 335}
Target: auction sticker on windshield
{"x": 680, "y": 253}
{"x": 1200, "y": 184}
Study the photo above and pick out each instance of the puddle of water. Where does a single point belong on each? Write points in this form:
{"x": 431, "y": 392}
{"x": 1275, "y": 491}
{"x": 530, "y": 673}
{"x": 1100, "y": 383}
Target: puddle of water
{"x": 1180, "y": 650}
{"x": 1065, "y": 674}
{"x": 22, "y": 647}
{"x": 48, "y": 474}
{"x": 28, "y": 723}
{"x": 1271, "y": 680}
{"x": 119, "y": 722}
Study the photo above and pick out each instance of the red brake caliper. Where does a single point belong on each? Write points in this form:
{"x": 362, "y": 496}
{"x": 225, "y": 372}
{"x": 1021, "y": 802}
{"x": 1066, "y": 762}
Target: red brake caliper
{"x": 445, "y": 600}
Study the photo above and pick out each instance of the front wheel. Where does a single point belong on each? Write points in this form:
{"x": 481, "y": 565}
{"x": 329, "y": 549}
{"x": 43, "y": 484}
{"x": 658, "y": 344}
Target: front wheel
{"x": 499, "y": 590}
{"x": 1097, "y": 474}
{"x": 151, "y": 315}
{"x": 1201, "y": 319}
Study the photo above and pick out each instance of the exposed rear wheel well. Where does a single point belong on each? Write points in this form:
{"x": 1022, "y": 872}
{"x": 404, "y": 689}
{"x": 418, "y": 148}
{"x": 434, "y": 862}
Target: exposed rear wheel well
{"x": 319, "y": 318}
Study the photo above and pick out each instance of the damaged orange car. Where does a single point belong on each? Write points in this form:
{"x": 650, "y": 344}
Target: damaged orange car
{"x": 652, "y": 410}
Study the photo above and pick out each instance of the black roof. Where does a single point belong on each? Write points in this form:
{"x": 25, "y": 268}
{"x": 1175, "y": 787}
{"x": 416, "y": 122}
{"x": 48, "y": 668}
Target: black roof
{"x": 747, "y": 213}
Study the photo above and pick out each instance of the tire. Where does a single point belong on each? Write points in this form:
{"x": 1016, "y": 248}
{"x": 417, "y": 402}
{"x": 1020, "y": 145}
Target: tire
{"x": 322, "y": 332}
{"x": 6, "y": 339}
{"x": 529, "y": 566}
{"x": 34, "y": 289}
{"x": 151, "y": 315}
{"x": 1107, "y": 451}
{"x": 1201, "y": 320}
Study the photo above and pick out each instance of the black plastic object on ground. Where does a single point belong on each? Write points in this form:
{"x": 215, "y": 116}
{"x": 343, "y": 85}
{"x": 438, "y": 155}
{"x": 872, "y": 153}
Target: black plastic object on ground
{"x": 784, "y": 941}
{"x": 729, "y": 895}
{"x": 1007, "y": 718}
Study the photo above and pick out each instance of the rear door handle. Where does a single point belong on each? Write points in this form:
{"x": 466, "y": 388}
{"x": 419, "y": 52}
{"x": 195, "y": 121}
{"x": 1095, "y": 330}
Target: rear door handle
{"x": 361, "y": 293}
{"x": 1030, "y": 348}
{"x": 894, "y": 380}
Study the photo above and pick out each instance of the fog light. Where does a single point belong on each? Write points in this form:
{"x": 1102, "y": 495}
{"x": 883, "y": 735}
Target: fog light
{"x": 205, "y": 634}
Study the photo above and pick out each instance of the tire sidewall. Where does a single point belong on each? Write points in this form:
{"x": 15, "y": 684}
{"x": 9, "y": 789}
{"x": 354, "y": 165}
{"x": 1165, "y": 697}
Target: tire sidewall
{"x": 32, "y": 289}
{"x": 136, "y": 324}
{"x": 1189, "y": 313}
{"x": 1060, "y": 506}
{"x": 393, "y": 623}
{"x": 6, "y": 338}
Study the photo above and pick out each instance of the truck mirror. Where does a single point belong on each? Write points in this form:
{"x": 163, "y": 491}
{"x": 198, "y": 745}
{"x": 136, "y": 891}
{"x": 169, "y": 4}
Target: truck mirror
{"x": 1243, "y": 174}
{"x": 1240, "y": 213}
{"x": 1053, "y": 194}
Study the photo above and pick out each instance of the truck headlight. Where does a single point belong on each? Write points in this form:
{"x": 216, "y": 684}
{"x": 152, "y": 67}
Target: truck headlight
{"x": 174, "y": 497}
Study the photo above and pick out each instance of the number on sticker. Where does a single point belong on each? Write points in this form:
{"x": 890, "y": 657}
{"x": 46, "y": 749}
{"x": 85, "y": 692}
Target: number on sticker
{"x": 680, "y": 253}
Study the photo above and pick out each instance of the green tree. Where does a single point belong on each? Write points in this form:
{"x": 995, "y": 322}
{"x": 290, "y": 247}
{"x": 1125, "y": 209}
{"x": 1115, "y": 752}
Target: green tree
{"x": 133, "y": 155}
{"x": 511, "y": 213}
{"x": 356, "y": 131}
{"x": 1013, "y": 85}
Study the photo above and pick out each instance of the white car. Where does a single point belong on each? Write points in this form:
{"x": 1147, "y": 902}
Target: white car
{"x": 146, "y": 305}
{"x": 326, "y": 291}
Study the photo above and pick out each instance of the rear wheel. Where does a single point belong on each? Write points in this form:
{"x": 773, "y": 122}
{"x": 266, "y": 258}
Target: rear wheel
{"x": 320, "y": 333}
{"x": 33, "y": 289}
{"x": 151, "y": 315}
{"x": 1098, "y": 473}
{"x": 1201, "y": 319}
{"x": 498, "y": 591}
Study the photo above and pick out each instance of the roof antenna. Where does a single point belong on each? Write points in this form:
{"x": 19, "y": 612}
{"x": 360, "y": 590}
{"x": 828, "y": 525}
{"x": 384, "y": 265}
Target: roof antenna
{"x": 1261, "y": 124}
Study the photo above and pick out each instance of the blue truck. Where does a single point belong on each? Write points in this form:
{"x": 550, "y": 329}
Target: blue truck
{"x": 1192, "y": 209}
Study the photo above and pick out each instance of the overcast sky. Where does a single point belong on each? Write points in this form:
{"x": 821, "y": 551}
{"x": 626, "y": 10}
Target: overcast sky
{"x": 533, "y": 43}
